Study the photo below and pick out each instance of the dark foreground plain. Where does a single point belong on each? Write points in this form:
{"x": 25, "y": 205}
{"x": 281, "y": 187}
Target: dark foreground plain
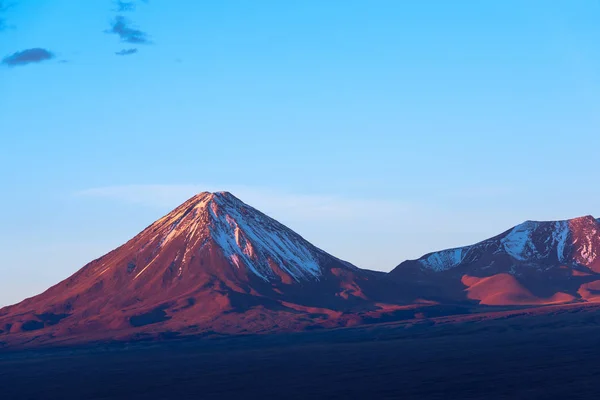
{"x": 553, "y": 355}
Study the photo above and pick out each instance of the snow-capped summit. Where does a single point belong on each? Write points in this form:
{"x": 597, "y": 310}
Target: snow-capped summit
{"x": 532, "y": 263}
{"x": 574, "y": 241}
{"x": 248, "y": 238}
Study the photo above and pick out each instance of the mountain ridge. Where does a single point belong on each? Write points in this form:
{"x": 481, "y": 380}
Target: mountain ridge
{"x": 517, "y": 240}
{"x": 217, "y": 266}
{"x": 533, "y": 263}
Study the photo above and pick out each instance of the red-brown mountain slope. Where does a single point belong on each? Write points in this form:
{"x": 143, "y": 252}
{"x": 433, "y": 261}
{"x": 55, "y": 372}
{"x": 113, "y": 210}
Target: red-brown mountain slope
{"x": 214, "y": 264}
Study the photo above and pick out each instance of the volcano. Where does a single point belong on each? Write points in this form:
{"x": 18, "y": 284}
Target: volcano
{"x": 214, "y": 265}
{"x": 534, "y": 263}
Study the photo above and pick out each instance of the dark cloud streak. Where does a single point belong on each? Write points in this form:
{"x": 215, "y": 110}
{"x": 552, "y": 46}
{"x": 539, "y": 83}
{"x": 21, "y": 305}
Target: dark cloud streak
{"x": 124, "y": 6}
{"x": 126, "y": 52}
{"x": 3, "y": 7}
{"x": 27, "y": 56}
{"x": 122, "y": 27}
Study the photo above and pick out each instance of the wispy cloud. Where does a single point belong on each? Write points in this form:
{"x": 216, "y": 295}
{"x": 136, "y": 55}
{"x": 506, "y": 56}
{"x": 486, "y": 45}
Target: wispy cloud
{"x": 372, "y": 232}
{"x": 126, "y": 52}
{"x": 4, "y": 6}
{"x": 293, "y": 206}
{"x": 122, "y": 27}
{"x": 124, "y": 6}
{"x": 28, "y": 56}
{"x": 480, "y": 192}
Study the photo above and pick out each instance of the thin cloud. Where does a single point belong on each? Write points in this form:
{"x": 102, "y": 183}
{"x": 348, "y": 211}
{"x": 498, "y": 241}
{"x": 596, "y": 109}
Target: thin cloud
{"x": 124, "y": 6}
{"x": 480, "y": 192}
{"x": 371, "y": 232}
{"x": 121, "y": 26}
{"x": 293, "y": 206}
{"x": 29, "y": 56}
{"x": 126, "y": 52}
{"x": 4, "y": 6}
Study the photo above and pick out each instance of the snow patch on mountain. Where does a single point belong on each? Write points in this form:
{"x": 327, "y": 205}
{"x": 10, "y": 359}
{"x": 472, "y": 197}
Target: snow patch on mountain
{"x": 444, "y": 260}
{"x": 249, "y": 237}
{"x": 560, "y": 235}
{"x": 518, "y": 243}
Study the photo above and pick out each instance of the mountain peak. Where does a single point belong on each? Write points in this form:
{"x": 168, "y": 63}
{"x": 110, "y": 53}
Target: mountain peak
{"x": 208, "y": 196}
{"x": 581, "y": 218}
{"x": 247, "y": 238}
{"x": 575, "y": 241}
{"x": 586, "y": 219}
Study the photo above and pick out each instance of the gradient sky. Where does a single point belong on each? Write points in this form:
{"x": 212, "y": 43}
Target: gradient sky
{"x": 379, "y": 130}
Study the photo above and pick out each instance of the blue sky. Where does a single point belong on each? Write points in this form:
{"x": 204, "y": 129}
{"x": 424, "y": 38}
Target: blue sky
{"x": 379, "y": 130}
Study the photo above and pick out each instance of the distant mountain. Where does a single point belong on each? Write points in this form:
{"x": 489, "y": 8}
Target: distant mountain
{"x": 212, "y": 265}
{"x": 531, "y": 264}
